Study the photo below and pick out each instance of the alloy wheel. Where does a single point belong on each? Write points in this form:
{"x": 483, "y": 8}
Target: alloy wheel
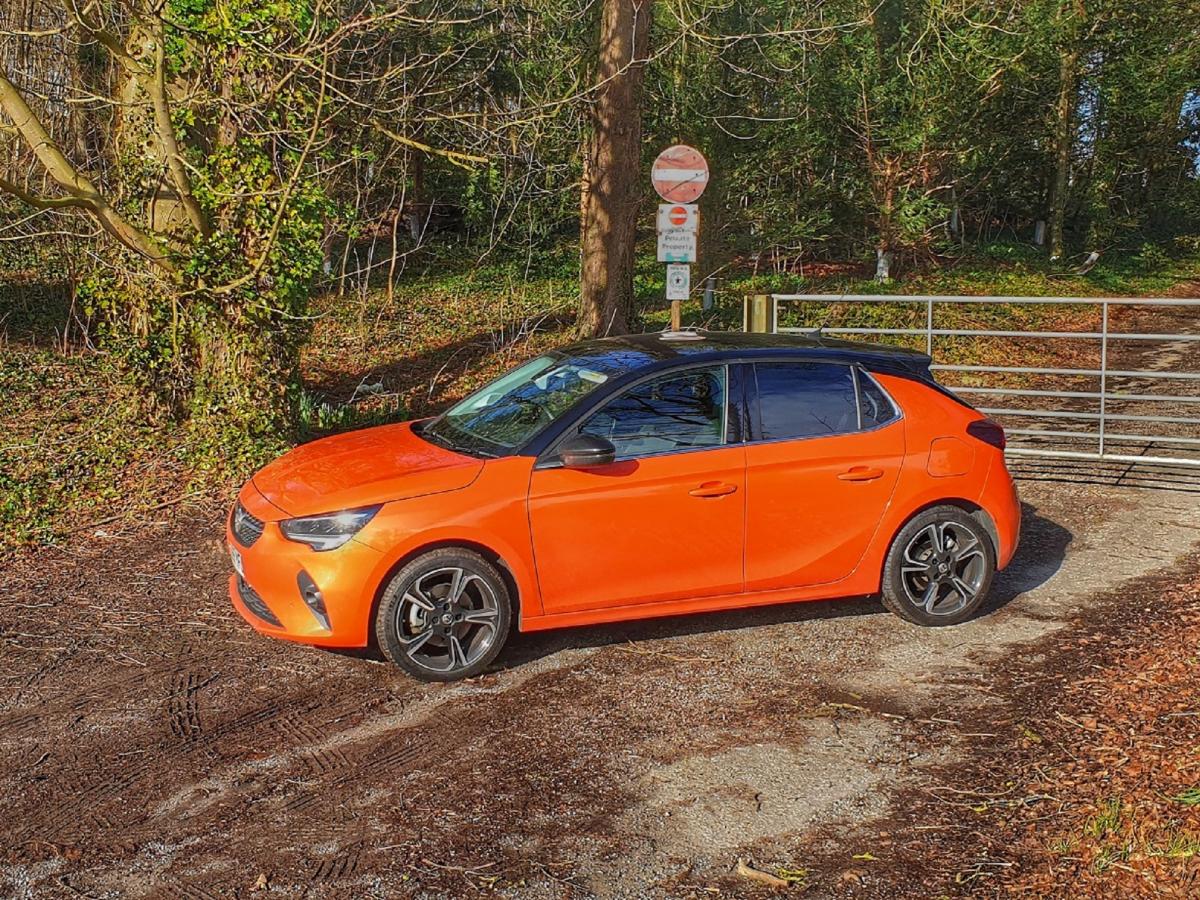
{"x": 944, "y": 568}
{"x": 447, "y": 619}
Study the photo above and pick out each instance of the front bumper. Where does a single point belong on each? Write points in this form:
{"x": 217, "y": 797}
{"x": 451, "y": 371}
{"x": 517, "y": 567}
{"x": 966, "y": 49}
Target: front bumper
{"x": 270, "y": 597}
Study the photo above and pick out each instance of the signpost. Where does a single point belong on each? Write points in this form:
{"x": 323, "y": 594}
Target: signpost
{"x": 679, "y": 175}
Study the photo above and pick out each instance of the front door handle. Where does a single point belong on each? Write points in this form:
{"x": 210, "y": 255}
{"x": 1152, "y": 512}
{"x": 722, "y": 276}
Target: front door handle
{"x": 861, "y": 473}
{"x": 713, "y": 489}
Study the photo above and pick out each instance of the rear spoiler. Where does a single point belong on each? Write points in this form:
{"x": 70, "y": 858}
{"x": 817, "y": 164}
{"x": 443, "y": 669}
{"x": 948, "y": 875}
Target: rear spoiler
{"x": 915, "y": 368}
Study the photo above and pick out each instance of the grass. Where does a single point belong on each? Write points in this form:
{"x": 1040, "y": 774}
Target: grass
{"x": 74, "y": 453}
{"x": 1109, "y": 857}
{"x": 1106, "y": 821}
{"x": 440, "y": 334}
{"x": 1116, "y": 838}
{"x": 1062, "y": 846}
{"x": 1180, "y": 844}
{"x": 1190, "y": 797}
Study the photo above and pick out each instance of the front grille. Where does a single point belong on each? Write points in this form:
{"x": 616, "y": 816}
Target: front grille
{"x": 255, "y": 604}
{"x": 246, "y": 528}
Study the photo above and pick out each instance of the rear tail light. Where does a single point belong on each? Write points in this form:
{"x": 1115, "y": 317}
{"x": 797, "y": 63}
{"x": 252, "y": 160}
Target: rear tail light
{"x": 987, "y": 431}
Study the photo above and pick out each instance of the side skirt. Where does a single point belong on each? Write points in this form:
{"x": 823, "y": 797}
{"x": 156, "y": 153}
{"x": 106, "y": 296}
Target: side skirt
{"x": 724, "y": 602}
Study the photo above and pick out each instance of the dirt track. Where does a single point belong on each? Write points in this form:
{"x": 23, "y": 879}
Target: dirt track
{"x": 151, "y": 744}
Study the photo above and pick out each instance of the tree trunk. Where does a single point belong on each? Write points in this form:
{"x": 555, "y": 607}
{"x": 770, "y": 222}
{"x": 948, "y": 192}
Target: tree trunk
{"x": 1064, "y": 132}
{"x": 887, "y": 178}
{"x": 1064, "y": 116}
{"x": 612, "y": 174}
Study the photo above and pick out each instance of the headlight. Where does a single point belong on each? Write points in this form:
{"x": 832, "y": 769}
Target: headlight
{"x": 330, "y": 531}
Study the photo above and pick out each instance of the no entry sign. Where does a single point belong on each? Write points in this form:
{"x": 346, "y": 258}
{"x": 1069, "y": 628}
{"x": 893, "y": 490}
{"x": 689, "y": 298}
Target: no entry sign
{"x": 680, "y": 174}
{"x": 681, "y": 216}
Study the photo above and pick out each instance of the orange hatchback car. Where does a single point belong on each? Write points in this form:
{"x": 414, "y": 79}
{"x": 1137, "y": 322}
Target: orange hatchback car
{"x": 625, "y": 478}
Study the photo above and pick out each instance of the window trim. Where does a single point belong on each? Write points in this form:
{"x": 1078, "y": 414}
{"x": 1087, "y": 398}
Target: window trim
{"x": 548, "y": 459}
{"x": 754, "y": 405}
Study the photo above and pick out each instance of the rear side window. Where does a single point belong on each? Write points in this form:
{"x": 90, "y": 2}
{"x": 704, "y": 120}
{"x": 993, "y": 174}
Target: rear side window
{"x": 805, "y": 399}
{"x": 682, "y": 411}
{"x": 876, "y": 408}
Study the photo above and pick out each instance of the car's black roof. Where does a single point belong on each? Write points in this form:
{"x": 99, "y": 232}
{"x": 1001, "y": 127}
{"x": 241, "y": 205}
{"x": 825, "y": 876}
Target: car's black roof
{"x": 641, "y": 351}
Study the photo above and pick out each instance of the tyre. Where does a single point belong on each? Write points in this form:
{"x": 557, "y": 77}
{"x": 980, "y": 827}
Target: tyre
{"x": 444, "y": 616}
{"x": 939, "y": 568}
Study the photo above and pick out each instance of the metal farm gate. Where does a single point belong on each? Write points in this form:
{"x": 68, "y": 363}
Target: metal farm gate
{"x": 1124, "y": 388}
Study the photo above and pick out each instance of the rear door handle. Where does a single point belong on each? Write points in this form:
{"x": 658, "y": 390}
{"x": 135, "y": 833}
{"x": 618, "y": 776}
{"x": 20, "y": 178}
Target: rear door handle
{"x": 861, "y": 473}
{"x": 713, "y": 489}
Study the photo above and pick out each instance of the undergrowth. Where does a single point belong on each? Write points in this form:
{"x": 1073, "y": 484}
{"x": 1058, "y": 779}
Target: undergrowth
{"x": 76, "y": 452}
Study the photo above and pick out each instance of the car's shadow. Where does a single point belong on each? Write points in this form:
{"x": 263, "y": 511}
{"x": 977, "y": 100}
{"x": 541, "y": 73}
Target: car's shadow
{"x": 1040, "y": 555}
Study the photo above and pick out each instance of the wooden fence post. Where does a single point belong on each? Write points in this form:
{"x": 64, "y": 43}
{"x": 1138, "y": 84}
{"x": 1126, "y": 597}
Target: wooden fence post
{"x": 756, "y": 315}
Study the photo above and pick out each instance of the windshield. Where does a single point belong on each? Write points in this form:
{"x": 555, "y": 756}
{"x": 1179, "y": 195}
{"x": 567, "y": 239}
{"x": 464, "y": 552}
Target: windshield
{"x": 512, "y": 409}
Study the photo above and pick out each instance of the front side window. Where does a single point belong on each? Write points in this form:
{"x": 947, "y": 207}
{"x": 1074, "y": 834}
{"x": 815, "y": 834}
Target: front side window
{"x": 805, "y": 399}
{"x": 680, "y": 411}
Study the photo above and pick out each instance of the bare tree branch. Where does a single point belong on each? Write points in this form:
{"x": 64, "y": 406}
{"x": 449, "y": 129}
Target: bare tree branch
{"x": 75, "y": 183}
{"x": 156, "y": 89}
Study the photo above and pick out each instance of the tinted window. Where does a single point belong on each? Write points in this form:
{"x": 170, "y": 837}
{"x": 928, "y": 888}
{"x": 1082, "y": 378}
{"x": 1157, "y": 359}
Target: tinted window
{"x": 674, "y": 412}
{"x": 876, "y": 407}
{"x": 798, "y": 400}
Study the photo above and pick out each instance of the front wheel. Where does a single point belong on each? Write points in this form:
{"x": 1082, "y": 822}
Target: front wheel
{"x": 939, "y": 569}
{"x": 444, "y": 616}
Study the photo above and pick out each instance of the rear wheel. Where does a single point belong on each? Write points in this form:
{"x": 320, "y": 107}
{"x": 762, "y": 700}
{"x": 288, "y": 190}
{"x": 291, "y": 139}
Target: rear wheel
{"x": 939, "y": 569}
{"x": 444, "y": 616}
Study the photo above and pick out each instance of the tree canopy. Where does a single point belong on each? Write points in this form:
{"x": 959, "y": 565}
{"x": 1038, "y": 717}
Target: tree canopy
{"x": 199, "y": 167}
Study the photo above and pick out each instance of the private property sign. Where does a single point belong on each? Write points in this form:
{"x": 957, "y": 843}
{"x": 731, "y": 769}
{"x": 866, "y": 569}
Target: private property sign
{"x": 677, "y": 246}
{"x": 677, "y": 226}
{"x": 680, "y": 174}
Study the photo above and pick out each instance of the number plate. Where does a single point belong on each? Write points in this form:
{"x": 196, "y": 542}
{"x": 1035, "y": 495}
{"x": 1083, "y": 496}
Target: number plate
{"x": 236, "y": 558}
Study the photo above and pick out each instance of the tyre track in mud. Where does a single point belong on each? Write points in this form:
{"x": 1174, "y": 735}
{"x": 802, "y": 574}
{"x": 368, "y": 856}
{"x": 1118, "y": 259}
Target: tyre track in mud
{"x": 183, "y": 709}
{"x": 105, "y": 687}
{"x": 92, "y": 783}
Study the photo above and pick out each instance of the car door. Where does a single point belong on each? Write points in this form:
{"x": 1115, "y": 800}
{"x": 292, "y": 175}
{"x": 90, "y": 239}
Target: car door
{"x": 824, "y": 457}
{"x": 666, "y": 520}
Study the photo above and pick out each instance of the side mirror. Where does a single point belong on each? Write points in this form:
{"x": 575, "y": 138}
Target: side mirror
{"x": 586, "y": 451}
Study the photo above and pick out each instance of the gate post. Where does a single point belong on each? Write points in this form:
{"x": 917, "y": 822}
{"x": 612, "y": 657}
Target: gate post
{"x": 1103, "y": 373}
{"x": 756, "y": 314}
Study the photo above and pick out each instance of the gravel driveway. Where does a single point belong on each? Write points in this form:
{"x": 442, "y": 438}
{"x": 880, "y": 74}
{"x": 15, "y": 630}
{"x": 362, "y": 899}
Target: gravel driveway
{"x": 151, "y": 744}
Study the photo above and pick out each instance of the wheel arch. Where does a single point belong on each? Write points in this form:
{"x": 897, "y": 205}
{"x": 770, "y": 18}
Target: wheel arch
{"x": 502, "y": 566}
{"x": 971, "y": 508}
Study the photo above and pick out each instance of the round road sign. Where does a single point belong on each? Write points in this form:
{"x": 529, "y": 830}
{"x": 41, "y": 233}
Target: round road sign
{"x": 680, "y": 174}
